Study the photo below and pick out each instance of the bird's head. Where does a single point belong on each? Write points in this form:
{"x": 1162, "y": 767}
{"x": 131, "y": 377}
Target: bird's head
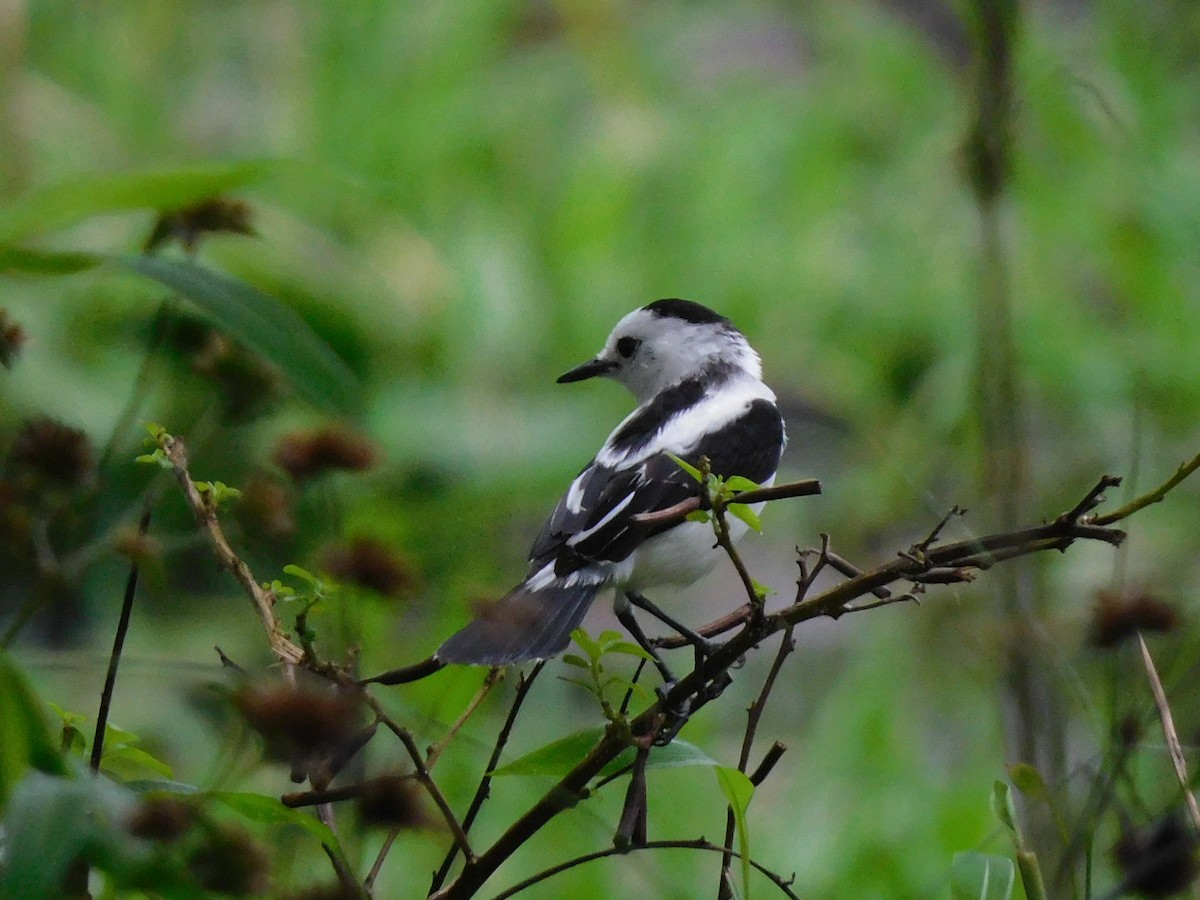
{"x": 666, "y": 342}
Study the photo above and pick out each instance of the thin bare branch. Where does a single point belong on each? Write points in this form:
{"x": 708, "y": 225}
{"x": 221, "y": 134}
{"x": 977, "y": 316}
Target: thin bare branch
{"x": 422, "y": 773}
{"x": 263, "y": 600}
{"x": 494, "y": 676}
{"x": 485, "y": 783}
{"x": 1150, "y": 497}
{"x": 680, "y": 511}
{"x": 753, "y": 717}
{"x": 784, "y": 885}
{"x": 1169, "y": 732}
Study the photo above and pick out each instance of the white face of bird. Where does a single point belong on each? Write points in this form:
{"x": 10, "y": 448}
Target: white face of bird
{"x": 650, "y": 350}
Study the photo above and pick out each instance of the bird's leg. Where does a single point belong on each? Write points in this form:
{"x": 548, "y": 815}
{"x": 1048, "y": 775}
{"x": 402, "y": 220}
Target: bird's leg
{"x": 626, "y": 617}
{"x": 704, "y": 647}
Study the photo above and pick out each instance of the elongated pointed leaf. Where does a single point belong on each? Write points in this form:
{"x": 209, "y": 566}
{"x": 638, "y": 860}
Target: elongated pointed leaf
{"x": 45, "y": 262}
{"x": 269, "y": 811}
{"x": 738, "y": 790}
{"x": 559, "y": 757}
{"x": 556, "y": 758}
{"x": 63, "y": 203}
{"x": 259, "y": 321}
{"x": 981, "y": 876}
{"x": 25, "y": 738}
{"x": 51, "y": 822}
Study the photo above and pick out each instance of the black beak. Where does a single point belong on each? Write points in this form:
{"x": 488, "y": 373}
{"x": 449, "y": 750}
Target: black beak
{"x": 589, "y": 369}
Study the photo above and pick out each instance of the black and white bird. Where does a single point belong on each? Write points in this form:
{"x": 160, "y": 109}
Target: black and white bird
{"x": 700, "y": 392}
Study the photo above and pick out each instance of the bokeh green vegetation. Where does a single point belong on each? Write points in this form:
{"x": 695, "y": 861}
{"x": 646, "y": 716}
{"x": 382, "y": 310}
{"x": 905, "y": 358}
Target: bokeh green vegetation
{"x": 462, "y": 198}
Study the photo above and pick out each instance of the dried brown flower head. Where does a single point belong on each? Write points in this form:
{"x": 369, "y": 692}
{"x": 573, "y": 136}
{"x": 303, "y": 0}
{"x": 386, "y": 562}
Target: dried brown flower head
{"x": 1159, "y": 859}
{"x": 12, "y": 339}
{"x": 1118, "y": 617}
{"x": 46, "y": 450}
{"x": 393, "y": 801}
{"x": 249, "y": 385}
{"x": 370, "y": 564}
{"x": 230, "y": 862}
{"x": 266, "y": 508}
{"x": 161, "y": 818}
{"x": 191, "y": 223}
{"x": 307, "y": 454}
{"x": 300, "y": 723}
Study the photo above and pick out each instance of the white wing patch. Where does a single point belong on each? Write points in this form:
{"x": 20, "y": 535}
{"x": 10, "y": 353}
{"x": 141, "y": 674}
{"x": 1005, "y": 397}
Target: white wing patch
{"x": 609, "y": 516}
{"x": 687, "y": 428}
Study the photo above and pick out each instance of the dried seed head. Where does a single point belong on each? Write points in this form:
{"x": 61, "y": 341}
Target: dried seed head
{"x": 392, "y": 801}
{"x": 230, "y": 862}
{"x": 370, "y": 564}
{"x": 190, "y": 224}
{"x": 249, "y": 385}
{"x": 301, "y": 723}
{"x": 307, "y": 454}
{"x": 1118, "y": 617}
{"x": 12, "y": 339}
{"x": 266, "y": 508}
{"x": 46, "y": 450}
{"x": 140, "y": 548}
{"x": 1159, "y": 859}
{"x": 161, "y": 818}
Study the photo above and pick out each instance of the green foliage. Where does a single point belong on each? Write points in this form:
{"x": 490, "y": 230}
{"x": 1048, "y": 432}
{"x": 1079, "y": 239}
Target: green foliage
{"x": 981, "y": 876}
{"x": 262, "y": 323}
{"x": 560, "y": 756}
{"x": 484, "y": 191}
{"x": 121, "y": 759}
{"x": 27, "y": 743}
{"x": 52, "y": 207}
{"x": 738, "y": 791}
{"x": 600, "y": 683}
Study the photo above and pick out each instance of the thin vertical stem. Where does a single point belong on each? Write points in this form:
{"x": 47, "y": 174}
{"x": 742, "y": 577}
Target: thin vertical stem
{"x": 114, "y": 659}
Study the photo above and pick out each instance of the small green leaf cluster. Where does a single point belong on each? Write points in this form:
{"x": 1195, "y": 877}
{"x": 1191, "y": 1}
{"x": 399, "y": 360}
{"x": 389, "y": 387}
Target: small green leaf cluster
{"x": 121, "y": 758}
{"x": 216, "y": 493}
{"x": 600, "y": 683}
{"x": 307, "y": 597}
{"x": 156, "y": 440}
{"x": 721, "y": 493}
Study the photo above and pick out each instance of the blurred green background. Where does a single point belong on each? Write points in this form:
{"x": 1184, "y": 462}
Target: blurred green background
{"x": 463, "y": 198}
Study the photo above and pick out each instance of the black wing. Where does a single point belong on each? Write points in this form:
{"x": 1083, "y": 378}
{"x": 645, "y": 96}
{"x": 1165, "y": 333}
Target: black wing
{"x": 594, "y": 522}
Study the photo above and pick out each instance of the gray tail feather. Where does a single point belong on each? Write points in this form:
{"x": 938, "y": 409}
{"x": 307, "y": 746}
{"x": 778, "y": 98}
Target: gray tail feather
{"x": 525, "y": 624}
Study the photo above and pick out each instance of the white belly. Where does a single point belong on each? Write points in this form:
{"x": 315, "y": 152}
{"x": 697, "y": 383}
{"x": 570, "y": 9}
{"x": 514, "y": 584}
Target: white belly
{"x": 677, "y": 557}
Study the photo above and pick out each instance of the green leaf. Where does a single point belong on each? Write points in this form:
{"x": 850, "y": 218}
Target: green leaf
{"x": 762, "y": 591}
{"x": 149, "y": 785}
{"x": 55, "y": 206}
{"x": 739, "y": 483}
{"x": 687, "y": 467}
{"x": 303, "y": 574}
{"x": 1028, "y": 780}
{"x": 572, "y": 660}
{"x": 25, "y": 737}
{"x": 124, "y": 761}
{"x": 45, "y": 262}
{"x": 629, "y": 649}
{"x": 586, "y": 644}
{"x": 269, "y": 811}
{"x": 262, "y": 323}
{"x": 981, "y": 876}
{"x": 698, "y": 515}
{"x": 746, "y": 514}
{"x": 738, "y": 790}
{"x": 556, "y": 758}
{"x": 1002, "y": 806}
{"x": 51, "y": 822}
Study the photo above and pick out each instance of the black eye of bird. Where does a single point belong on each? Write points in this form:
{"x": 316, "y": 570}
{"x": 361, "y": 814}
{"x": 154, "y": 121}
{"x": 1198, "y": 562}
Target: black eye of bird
{"x": 627, "y": 346}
